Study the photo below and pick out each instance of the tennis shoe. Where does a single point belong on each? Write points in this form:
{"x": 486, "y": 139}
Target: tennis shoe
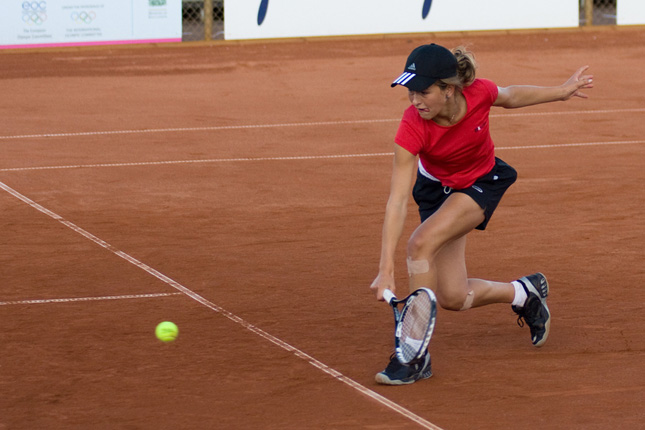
{"x": 535, "y": 312}
{"x": 399, "y": 374}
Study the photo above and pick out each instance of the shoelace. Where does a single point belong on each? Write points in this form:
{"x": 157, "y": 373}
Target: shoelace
{"x": 393, "y": 364}
{"x": 531, "y": 307}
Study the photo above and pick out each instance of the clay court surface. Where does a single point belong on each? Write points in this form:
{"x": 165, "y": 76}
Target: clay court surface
{"x": 238, "y": 189}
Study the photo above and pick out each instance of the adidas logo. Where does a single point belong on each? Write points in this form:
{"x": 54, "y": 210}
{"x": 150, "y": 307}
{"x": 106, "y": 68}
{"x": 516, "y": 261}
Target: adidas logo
{"x": 412, "y": 67}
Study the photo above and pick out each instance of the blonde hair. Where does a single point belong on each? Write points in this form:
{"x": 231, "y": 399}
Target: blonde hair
{"x": 466, "y": 69}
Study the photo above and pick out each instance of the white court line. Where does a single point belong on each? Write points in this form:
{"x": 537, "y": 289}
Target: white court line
{"x": 298, "y": 124}
{"x": 296, "y": 157}
{"x": 212, "y": 160}
{"x": 247, "y": 325}
{"x": 184, "y": 129}
{"x": 88, "y": 299}
{"x": 573, "y": 145}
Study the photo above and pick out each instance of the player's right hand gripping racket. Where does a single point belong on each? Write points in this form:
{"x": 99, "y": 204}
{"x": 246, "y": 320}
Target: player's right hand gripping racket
{"x": 414, "y": 323}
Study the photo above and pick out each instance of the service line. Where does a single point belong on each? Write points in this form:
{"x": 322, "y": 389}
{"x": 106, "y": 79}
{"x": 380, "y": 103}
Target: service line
{"x": 87, "y": 299}
{"x": 296, "y": 124}
{"x": 297, "y": 157}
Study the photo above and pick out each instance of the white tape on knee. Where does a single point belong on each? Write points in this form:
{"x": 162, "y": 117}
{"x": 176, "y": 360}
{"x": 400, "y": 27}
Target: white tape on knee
{"x": 470, "y": 297}
{"x": 417, "y": 267}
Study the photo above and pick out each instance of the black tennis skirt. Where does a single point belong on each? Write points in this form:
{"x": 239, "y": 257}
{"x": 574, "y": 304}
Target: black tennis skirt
{"x": 487, "y": 191}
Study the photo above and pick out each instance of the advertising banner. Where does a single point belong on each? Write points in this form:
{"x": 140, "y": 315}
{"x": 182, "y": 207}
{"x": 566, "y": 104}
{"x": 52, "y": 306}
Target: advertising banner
{"x": 43, "y": 23}
{"x": 252, "y": 19}
{"x": 630, "y": 12}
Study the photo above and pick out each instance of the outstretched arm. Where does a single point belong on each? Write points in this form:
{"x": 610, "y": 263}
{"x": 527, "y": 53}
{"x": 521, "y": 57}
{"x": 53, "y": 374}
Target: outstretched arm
{"x": 395, "y": 212}
{"x": 517, "y": 96}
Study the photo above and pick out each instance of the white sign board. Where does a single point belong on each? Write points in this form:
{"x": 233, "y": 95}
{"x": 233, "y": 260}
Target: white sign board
{"x": 630, "y": 12}
{"x": 44, "y": 23}
{"x": 257, "y": 19}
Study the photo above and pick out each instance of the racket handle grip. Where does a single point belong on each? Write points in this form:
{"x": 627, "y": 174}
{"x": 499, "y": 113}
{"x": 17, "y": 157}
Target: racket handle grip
{"x": 388, "y": 295}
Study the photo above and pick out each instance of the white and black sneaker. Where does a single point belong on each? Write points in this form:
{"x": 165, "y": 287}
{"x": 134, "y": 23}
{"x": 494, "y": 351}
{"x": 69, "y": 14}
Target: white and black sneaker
{"x": 399, "y": 374}
{"x": 535, "y": 312}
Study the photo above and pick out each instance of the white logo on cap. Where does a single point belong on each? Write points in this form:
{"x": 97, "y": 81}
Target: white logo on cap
{"x": 404, "y": 78}
{"x": 412, "y": 67}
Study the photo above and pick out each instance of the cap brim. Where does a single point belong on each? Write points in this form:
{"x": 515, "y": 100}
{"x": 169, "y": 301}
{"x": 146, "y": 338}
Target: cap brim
{"x": 413, "y": 81}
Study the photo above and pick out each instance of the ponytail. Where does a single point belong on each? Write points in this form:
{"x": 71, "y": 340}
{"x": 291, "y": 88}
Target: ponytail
{"x": 466, "y": 65}
{"x": 466, "y": 69}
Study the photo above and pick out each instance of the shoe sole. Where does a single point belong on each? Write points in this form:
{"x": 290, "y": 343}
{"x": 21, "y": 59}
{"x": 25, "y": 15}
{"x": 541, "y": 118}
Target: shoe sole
{"x": 382, "y": 379}
{"x": 542, "y": 293}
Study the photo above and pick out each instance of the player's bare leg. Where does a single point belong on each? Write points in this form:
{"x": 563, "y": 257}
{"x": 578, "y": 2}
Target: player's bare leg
{"x": 455, "y": 291}
{"x": 436, "y": 258}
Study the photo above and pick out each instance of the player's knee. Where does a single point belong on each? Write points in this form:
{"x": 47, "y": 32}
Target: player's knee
{"x": 457, "y": 301}
{"x": 450, "y": 303}
{"x": 417, "y": 261}
{"x": 415, "y": 245}
{"x": 418, "y": 245}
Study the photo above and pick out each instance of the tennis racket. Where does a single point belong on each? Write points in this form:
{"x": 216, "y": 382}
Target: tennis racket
{"x": 414, "y": 323}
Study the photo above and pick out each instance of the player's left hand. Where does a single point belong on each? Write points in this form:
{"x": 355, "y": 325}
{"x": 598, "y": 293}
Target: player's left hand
{"x": 578, "y": 82}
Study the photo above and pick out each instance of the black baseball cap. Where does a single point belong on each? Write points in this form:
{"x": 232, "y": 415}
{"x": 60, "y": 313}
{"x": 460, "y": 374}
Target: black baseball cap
{"x": 425, "y": 65}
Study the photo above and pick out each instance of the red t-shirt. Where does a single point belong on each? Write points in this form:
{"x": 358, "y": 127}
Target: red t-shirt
{"x": 459, "y": 154}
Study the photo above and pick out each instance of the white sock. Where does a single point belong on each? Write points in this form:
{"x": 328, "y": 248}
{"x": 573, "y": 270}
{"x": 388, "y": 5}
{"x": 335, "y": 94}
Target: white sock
{"x": 520, "y": 294}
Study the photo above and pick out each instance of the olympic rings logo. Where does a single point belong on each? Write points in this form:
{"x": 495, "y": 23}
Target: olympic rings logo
{"x": 34, "y": 12}
{"x": 34, "y": 5}
{"x": 83, "y": 17}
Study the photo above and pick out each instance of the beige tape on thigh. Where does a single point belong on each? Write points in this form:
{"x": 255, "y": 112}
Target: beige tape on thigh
{"x": 417, "y": 267}
{"x": 470, "y": 297}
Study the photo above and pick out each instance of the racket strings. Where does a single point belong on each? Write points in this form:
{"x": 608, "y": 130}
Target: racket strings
{"x": 414, "y": 326}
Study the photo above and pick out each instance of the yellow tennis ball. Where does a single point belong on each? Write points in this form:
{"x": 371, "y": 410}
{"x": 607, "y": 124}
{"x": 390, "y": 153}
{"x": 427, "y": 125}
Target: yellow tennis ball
{"x": 166, "y": 331}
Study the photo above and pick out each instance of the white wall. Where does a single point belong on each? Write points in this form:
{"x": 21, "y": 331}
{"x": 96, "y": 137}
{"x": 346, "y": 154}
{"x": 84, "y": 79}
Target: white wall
{"x": 630, "y": 12}
{"x": 300, "y": 18}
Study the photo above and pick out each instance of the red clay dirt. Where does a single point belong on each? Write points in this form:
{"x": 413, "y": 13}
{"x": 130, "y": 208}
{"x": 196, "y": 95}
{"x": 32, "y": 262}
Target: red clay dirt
{"x": 254, "y": 176}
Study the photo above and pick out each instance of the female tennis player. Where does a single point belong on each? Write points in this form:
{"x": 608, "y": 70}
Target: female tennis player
{"x": 444, "y": 136}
